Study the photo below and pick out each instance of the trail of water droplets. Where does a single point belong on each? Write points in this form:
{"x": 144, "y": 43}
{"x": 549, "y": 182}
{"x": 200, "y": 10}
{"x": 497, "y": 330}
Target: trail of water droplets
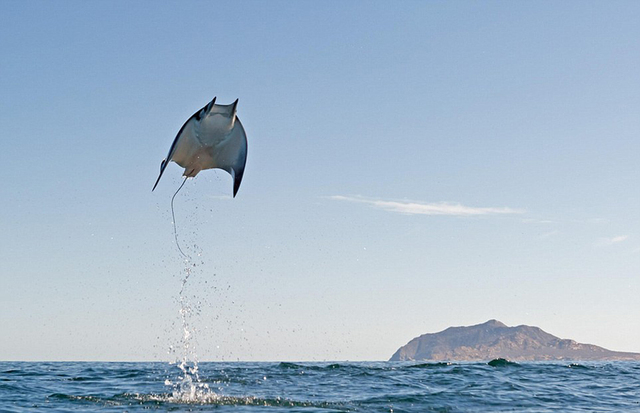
{"x": 188, "y": 387}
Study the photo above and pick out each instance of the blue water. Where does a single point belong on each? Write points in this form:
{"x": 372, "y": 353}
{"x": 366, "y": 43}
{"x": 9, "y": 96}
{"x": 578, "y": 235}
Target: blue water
{"x": 321, "y": 387}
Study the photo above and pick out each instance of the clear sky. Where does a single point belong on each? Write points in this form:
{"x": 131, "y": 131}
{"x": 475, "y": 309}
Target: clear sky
{"x": 412, "y": 166}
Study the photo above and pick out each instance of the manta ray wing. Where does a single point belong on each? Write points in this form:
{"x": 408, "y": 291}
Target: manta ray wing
{"x": 187, "y": 125}
{"x": 231, "y": 154}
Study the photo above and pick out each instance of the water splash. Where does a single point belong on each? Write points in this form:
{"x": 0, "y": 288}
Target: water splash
{"x": 188, "y": 387}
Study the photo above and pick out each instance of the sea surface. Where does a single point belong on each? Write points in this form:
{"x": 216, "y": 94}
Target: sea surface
{"x": 498, "y": 386}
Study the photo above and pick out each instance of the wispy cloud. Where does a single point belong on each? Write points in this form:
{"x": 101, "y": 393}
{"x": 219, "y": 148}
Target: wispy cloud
{"x": 421, "y": 208}
{"x": 597, "y": 221}
{"x": 549, "y": 234}
{"x": 612, "y": 240}
{"x": 619, "y": 239}
{"x": 538, "y": 221}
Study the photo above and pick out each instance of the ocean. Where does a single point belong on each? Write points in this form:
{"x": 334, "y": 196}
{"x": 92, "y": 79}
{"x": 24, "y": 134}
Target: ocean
{"x": 498, "y": 386}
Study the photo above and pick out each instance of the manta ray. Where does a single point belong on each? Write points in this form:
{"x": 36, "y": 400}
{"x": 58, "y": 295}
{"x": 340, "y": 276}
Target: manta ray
{"x": 213, "y": 137}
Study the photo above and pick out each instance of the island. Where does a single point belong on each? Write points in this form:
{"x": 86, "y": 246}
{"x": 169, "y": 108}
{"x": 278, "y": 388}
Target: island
{"x": 495, "y": 340}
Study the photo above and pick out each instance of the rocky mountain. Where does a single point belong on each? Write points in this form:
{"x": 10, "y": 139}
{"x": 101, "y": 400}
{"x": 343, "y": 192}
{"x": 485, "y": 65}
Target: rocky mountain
{"x": 492, "y": 340}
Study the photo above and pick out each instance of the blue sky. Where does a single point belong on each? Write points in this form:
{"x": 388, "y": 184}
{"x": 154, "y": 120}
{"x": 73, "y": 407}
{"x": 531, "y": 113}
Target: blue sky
{"x": 411, "y": 166}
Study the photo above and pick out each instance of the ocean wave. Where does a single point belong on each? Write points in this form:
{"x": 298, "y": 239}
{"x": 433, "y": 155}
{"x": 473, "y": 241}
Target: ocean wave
{"x": 211, "y": 399}
{"x": 328, "y": 387}
{"x": 429, "y": 365}
{"x": 500, "y": 362}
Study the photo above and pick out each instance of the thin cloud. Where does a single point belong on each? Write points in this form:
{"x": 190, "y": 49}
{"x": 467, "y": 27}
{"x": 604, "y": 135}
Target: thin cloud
{"x": 549, "y": 234}
{"x": 420, "y": 208}
{"x": 597, "y": 220}
{"x": 538, "y": 221}
{"x": 620, "y": 238}
{"x": 612, "y": 240}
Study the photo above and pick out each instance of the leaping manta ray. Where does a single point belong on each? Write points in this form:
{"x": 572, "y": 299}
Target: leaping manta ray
{"x": 212, "y": 138}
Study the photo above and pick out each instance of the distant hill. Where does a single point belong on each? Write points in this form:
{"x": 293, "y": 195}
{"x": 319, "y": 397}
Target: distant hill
{"x": 493, "y": 340}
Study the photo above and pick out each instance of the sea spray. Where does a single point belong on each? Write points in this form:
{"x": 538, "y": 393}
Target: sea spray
{"x": 187, "y": 387}
{"x": 208, "y": 309}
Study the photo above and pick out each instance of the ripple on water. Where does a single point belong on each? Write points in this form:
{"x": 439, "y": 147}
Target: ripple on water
{"x": 202, "y": 399}
{"x": 429, "y": 365}
{"x": 500, "y": 362}
{"x": 578, "y": 366}
{"x": 248, "y": 387}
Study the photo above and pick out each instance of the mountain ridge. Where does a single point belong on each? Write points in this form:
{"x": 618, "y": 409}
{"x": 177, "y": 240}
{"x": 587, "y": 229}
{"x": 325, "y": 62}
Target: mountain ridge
{"x": 493, "y": 339}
